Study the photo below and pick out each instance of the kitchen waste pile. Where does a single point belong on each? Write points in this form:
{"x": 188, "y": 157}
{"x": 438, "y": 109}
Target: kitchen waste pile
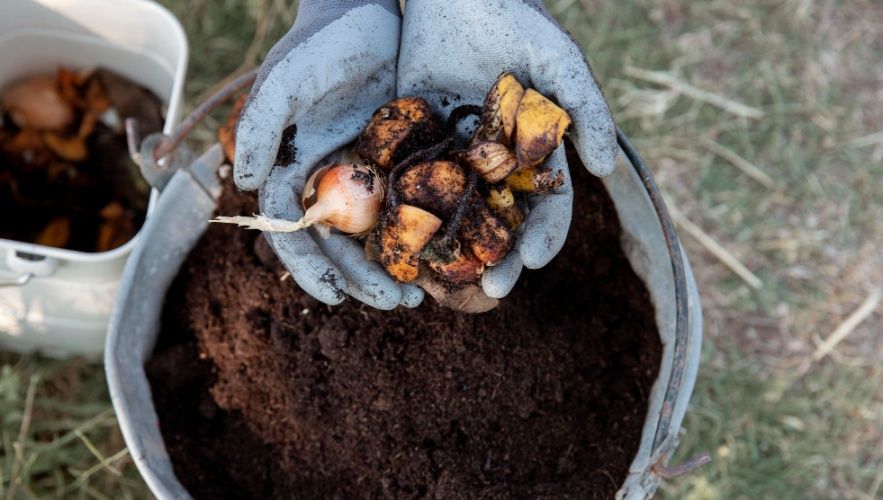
{"x": 65, "y": 169}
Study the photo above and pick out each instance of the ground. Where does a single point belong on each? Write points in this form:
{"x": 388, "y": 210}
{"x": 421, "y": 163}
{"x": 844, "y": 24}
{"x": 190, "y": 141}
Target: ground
{"x": 763, "y": 124}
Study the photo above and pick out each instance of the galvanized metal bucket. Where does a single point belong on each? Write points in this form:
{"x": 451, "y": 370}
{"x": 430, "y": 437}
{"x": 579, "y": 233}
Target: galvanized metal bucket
{"x": 180, "y": 218}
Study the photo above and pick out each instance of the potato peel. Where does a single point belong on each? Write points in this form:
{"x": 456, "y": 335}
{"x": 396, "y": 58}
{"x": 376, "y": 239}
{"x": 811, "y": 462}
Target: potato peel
{"x": 540, "y": 127}
{"x": 434, "y": 186}
{"x": 465, "y": 268}
{"x": 498, "y": 118}
{"x": 404, "y": 232}
{"x": 487, "y": 237}
{"x": 536, "y": 180}
{"x": 398, "y": 128}
{"x": 501, "y": 201}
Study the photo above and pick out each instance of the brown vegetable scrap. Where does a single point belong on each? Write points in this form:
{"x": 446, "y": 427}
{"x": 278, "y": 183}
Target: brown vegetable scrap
{"x": 401, "y": 126}
{"x": 404, "y": 232}
{"x": 56, "y": 233}
{"x": 37, "y": 104}
{"x": 518, "y": 129}
{"x": 448, "y": 215}
{"x": 227, "y": 131}
{"x": 435, "y": 186}
{"x": 117, "y": 227}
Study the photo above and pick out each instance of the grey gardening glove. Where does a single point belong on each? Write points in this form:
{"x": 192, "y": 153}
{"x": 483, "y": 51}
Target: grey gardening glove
{"x": 326, "y": 77}
{"x": 452, "y": 52}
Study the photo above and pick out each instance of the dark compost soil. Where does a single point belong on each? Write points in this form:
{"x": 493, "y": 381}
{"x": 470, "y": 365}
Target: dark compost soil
{"x": 262, "y": 392}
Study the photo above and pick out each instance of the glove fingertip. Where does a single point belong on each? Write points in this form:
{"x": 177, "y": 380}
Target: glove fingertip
{"x": 497, "y": 288}
{"x": 600, "y": 160}
{"x": 246, "y": 180}
{"x": 255, "y": 154}
{"x": 258, "y": 135}
{"x": 499, "y": 280}
{"x": 595, "y": 140}
{"x": 384, "y": 300}
{"x": 593, "y": 131}
{"x": 412, "y": 296}
{"x": 543, "y": 239}
{"x": 535, "y": 256}
{"x": 313, "y": 272}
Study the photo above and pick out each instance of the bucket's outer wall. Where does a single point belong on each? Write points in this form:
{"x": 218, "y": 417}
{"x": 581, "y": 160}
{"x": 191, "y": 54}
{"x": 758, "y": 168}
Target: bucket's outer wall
{"x": 644, "y": 244}
{"x": 179, "y": 221}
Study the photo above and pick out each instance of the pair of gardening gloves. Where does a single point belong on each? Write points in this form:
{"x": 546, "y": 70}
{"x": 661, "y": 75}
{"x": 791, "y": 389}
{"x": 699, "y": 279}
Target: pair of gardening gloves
{"x": 344, "y": 59}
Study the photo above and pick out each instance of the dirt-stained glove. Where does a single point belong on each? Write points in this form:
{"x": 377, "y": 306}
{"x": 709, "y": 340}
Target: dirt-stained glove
{"x": 326, "y": 77}
{"x": 452, "y": 51}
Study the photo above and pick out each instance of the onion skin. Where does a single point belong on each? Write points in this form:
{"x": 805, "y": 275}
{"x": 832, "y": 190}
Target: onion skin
{"x": 36, "y": 103}
{"x": 492, "y": 160}
{"x": 346, "y": 197}
{"x": 343, "y": 196}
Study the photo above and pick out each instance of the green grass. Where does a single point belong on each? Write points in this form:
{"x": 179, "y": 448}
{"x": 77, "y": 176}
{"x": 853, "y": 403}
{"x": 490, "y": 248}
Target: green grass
{"x": 772, "y": 438}
{"x": 813, "y": 69}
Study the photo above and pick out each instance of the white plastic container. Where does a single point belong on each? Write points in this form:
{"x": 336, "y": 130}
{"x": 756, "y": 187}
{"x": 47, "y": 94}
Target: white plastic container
{"x": 64, "y": 307}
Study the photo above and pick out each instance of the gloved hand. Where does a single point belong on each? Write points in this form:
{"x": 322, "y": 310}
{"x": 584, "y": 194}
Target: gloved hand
{"x": 326, "y": 77}
{"x": 452, "y": 52}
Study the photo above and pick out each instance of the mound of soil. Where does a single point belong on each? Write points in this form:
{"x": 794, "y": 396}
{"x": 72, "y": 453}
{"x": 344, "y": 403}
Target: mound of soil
{"x": 263, "y": 392}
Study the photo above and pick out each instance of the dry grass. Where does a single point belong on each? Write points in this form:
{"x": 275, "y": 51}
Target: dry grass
{"x": 60, "y": 438}
{"x": 764, "y": 124}
{"x": 762, "y": 121}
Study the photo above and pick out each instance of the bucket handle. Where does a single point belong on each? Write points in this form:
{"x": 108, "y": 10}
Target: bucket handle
{"x": 673, "y": 387}
{"x": 158, "y": 155}
{"x": 663, "y": 441}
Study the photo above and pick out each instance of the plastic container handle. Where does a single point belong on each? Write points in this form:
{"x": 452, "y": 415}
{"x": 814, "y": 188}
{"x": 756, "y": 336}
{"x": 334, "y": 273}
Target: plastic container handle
{"x": 30, "y": 265}
{"x": 20, "y": 281}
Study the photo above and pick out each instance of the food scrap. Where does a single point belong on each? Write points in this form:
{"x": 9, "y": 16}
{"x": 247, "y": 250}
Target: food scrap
{"x": 436, "y": 216}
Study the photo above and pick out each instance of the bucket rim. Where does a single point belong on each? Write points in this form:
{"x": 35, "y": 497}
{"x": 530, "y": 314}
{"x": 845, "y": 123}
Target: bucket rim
{"x": 665, "y": 439}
